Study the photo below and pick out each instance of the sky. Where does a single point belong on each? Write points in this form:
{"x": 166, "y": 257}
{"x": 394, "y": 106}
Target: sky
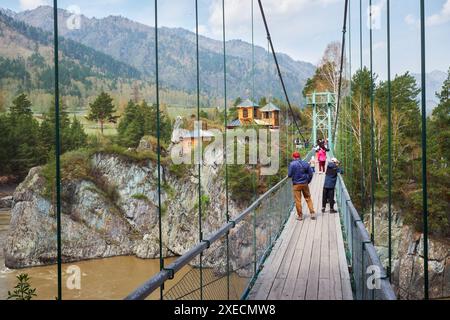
{"x": 300, "y": 28}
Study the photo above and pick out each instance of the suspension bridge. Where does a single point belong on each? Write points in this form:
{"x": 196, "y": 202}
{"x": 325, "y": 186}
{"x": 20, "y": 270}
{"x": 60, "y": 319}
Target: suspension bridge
{"x": 263, "y": 252}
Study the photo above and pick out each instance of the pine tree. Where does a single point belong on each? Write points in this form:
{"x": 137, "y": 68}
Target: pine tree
{"x": 131, "y": 127}
{"x": 102, "y": 110}
{"x": 141, "y": 120}
{"x": 47, "y": 128}
{"x": 439, "y": 159}
{"x": 21, "y": 106}
{"x": 22, "y": 132}
{"x": 5, "y": 146}
{"x": 77, "y": 136}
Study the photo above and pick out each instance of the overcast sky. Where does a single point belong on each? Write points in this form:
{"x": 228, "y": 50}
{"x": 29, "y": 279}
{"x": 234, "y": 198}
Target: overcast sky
{"x": 300, "y": 28}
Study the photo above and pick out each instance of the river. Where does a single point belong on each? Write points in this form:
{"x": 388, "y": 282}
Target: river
{"x": 111, "y": 278}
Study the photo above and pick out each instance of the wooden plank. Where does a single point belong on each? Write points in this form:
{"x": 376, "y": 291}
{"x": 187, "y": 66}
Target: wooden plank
{"x": 277, "y": 289}
{"x": 252, "y": 294}
{"x": 267, "y": 275}
{"x": 307, "y": 250}
{"x": 335, "y": 277}
{"x": 279, "y": 248}
{"x": 314, "y": 269}
{"x": 287, "y": 259}
{"x": 325, "y": 249}
{"x": 289, "y": 287}
{"x": 313, "y": 266}
{"x": 346, "y": 288}
{"x": 324, "y": 289}
{"x": 347, "y": 293}
{"x": 343, "y": 264}
{"x": 300, "y": 289}
{"x": 298, "y": 253}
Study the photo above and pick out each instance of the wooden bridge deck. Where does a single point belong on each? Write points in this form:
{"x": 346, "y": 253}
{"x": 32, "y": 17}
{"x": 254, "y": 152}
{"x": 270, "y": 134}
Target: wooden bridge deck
{"x": 308, "y": 260}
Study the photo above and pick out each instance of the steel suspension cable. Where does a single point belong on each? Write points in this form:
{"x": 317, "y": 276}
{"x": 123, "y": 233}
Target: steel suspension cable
{"x": 158, "y": 135}
{"x": 227, "y": 213}
{"x": 254, "y": 110}
{"x": 372, "y": 128}
{"x": 200, "y": 232}
{"x": 269, "y": 38}
{"x": 389, "y": 138}
{"x": 424, "y": 149}
{"x": 350, "y": 164}
{"x": 344, "y": 30}
{"x": 361, "y": 116}
{"x": 253, "y": 52}
{"x": 57, "y": 149}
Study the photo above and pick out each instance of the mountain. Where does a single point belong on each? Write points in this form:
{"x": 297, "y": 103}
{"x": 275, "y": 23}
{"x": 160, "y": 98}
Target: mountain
{"x": 133, "y": 43}
{"x": 26, "y": 63}
{"x": 435, "y": 80}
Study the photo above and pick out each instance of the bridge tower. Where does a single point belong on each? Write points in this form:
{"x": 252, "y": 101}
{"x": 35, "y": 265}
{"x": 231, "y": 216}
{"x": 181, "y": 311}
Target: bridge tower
{"x": 324, "y": 106}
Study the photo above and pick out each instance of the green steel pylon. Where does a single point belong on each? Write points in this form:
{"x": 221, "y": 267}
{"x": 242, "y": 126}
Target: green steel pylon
{"x": 324, "y": 106}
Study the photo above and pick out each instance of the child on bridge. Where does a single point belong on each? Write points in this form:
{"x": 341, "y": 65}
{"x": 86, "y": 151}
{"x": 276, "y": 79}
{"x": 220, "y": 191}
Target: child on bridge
{"x": 330, "y": 183}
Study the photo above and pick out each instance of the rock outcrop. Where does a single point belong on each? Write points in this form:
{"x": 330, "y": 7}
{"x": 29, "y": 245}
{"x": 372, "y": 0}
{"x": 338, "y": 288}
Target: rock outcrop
{"x": 114, "y": 212}
{"x": 6, "y": 202}
{"x": 408, "y": 262}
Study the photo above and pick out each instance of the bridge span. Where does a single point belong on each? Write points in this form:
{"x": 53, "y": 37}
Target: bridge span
{"x": 308, "y": 260}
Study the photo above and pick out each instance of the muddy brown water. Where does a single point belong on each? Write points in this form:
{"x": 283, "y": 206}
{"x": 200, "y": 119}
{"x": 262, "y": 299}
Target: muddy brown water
{"x": 111, "y": 278}
{"x": 103, "y": 279}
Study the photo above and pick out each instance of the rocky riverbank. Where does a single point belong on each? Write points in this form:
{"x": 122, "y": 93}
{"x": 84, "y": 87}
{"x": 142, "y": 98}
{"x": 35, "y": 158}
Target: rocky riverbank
{"x": 113, "y": 212}
{"x": 407, "y": 248}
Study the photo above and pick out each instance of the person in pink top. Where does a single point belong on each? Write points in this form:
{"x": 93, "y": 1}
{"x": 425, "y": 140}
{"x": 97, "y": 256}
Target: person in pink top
{"x": 322, "y": 158}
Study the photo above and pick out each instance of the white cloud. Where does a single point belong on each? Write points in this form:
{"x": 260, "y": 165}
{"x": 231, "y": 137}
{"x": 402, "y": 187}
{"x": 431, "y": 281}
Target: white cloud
{"x": 440, "y": 18}
{"x": 238, "y": 18}
{"x": 434, "y": 20}
{"x": 410, "y": 20}
{"x": 32, "y": 4}
{"x": 379, "y": 45}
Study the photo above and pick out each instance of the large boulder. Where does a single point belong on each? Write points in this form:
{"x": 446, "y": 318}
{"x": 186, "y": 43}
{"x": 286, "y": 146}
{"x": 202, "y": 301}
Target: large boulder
{"x": 113, "y": 212}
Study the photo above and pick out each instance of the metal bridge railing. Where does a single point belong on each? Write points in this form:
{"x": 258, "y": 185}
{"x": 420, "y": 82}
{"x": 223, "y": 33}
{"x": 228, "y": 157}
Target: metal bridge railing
{"x": 251, "y": 236}
{"x": 363, "y": 258}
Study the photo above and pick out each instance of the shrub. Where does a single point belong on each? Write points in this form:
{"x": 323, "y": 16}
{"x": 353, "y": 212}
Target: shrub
{"x": 140, "y": 196}
{"x": 23, "y": 289}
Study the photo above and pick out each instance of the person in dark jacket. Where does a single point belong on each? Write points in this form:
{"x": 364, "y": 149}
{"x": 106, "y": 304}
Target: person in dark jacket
{"x": 330, "y": 184}
{"x": 301, "y": 174}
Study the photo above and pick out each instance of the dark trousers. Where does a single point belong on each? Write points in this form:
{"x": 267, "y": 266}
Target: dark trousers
{"x": 328, "y": 196}
{"x": 322, "y": 166}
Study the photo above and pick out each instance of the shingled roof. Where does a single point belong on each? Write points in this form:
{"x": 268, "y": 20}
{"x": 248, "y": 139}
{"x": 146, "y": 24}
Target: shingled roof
{"x": 269, "y": 107}
{"x": 247, "y": 103}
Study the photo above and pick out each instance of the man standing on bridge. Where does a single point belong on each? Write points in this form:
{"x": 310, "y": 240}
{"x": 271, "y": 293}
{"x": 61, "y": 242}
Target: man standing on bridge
{"x": 301, "y": 174}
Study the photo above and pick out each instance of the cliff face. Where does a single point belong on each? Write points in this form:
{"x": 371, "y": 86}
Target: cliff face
{"x": 408, "y": 262}
{"x": 119, "y": 216}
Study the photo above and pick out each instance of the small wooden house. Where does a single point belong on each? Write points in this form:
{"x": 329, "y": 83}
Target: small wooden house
{"x": 247, "y": 111}
{"x": 270, "y": 114}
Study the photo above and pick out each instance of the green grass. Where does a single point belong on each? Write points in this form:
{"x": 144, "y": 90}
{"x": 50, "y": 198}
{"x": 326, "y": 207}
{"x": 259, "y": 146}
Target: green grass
{"x": 140, "y": 196}
{"x": 92, "y": 128}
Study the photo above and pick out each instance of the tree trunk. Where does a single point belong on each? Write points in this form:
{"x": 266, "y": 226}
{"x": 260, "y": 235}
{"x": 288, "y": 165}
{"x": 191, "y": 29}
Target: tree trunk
{"x": 101, "y": 127}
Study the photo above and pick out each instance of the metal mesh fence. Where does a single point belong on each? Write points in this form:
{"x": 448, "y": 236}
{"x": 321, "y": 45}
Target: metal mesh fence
{"x": 369, "y": 276}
